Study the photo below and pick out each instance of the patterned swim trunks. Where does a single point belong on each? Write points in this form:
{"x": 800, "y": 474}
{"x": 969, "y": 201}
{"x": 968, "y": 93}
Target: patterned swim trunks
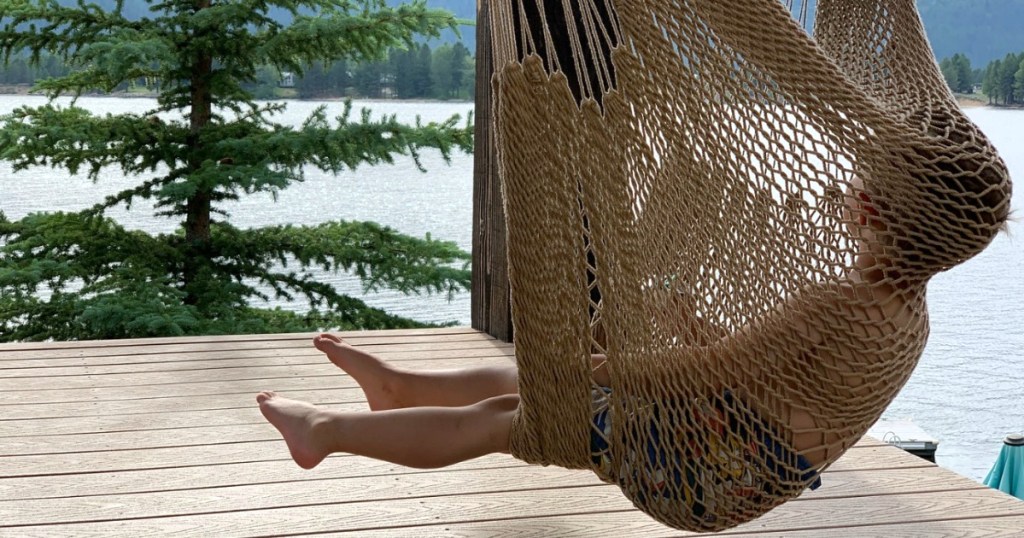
{"x": 731, "y": 461}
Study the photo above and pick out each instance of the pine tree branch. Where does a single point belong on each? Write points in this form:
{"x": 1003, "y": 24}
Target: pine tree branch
{"x": 362, "y": 36}
{"x": 71, "y": 276}
{"x": 53, "y": 28}
{"x": 379, "y": 256}
{"x": 110, "y": 61}
{"x": 72, "y": 137}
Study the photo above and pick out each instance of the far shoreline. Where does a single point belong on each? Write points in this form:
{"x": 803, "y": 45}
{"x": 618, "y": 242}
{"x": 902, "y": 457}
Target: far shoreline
{"x": 25, "y": 90}
{"x": 965, "y": 101}
{"x": 971, "y": 101}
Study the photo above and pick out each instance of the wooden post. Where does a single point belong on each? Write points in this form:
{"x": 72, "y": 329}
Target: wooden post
{"x": 491, "y": 311}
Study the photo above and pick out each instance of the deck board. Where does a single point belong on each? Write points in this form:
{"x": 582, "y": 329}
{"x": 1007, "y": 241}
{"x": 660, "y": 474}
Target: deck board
{"x": 378, "y": 483}
{"x": 161, "y": 437}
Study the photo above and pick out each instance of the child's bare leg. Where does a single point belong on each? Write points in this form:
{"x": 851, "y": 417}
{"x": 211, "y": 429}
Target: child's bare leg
{"x": 422, "y": 437}
{"x": 391, "y": 387}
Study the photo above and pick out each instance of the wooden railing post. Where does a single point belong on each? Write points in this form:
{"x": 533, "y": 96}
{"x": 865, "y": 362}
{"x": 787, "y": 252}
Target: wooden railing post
{"x": 490, "y": 289}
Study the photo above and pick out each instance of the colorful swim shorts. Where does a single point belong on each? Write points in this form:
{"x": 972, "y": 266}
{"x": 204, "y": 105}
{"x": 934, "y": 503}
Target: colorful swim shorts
{"x": 695, "y": 471}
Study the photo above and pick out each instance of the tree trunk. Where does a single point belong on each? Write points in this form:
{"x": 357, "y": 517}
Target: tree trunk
{"x": 198, "y": 206}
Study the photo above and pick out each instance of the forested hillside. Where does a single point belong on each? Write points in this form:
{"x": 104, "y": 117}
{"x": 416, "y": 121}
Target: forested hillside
{"x": 463, "y": 9}
{"x": 983, "y": 30}
{"x": 135, "y": 9}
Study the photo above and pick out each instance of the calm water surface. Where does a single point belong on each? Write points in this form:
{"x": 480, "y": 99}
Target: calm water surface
{"x": 968, "y": 390}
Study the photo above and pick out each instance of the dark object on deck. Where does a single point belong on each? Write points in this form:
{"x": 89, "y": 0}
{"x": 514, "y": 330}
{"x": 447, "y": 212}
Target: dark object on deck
{"x": 906, "y": 435}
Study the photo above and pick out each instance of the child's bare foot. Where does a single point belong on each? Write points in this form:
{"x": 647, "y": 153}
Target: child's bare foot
{"x": 379, "y": 381}
{"x": 296, "y": 421}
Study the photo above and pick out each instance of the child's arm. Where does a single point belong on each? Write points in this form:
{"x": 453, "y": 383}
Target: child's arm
{"x": 747, "y": 352}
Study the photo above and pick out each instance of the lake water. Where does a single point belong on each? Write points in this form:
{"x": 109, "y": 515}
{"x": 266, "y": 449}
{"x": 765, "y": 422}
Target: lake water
{"x": 968, "y": 390}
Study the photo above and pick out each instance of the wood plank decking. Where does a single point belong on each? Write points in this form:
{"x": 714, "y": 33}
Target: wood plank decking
{"x": 162, "y": 437}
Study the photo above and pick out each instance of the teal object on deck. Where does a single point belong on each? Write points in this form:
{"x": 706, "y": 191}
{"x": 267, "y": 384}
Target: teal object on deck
{"x": 1007, "y": 474}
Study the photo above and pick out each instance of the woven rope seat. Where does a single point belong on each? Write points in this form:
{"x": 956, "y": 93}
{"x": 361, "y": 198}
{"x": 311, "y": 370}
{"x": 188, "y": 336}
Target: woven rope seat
{"x": 741, "y": 218}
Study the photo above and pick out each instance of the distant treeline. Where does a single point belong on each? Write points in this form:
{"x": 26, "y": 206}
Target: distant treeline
{"x": 1002, "y": 81}
{"x": 446, "y": 72}
{"x": 19, "y": 71}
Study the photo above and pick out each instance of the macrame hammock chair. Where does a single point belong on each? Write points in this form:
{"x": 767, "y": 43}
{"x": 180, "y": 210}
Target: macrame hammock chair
{"x": 677, "y": 176}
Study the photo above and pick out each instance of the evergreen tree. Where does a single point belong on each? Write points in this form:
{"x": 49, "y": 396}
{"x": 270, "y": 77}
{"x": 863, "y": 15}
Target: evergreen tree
{"x": 266, "y": 83}
{"x": 958, "y": 73}
{"x": 950, "y": 73}
{"x": 369, "y": 79}
{"x": 314, "y": 83}
{"x": 340, "y": 79}
{"x": 1019, "y": 81}
{"x": 17, "y": 69}
{"x": 81, "y": 275}
{"x": 17, "y": 72}
{"x": 460, "y": 56}
{"x": 470, "y": 80}
{"x": 990, "y": 83}
{"x": 324, "y": 81}
{"x": 964, "y": 73}
{"x": 50, "y": 67}
{"x": 400, "y": 62}
{"x": 421, "y": 72}
{"x": 441, "y": 71}
{"x": 1007, "y": 72}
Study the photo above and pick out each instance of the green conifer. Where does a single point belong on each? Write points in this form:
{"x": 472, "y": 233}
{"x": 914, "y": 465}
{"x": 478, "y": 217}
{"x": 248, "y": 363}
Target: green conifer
{"x": 83, "y": 276}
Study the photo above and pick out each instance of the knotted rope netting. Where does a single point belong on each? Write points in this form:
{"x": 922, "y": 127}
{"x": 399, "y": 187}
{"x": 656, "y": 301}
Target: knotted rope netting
{"x": 741, "y": 217}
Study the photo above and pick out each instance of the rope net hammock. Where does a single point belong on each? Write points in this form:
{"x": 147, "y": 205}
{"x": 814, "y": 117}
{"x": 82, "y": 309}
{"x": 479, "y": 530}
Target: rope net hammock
{"x": 741, "y": 217}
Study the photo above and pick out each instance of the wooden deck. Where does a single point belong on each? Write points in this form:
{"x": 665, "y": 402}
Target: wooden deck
{"x": 161, "y": 437}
